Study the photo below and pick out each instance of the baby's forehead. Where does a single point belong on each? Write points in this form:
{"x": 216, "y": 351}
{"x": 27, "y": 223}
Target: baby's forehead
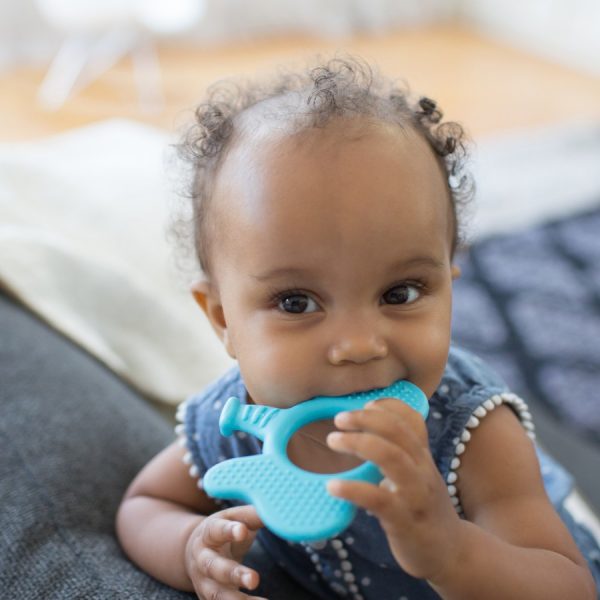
{"x": 267, "y": 140}
{"x": 273, "y": 130}
{"x": 310, "y": 173}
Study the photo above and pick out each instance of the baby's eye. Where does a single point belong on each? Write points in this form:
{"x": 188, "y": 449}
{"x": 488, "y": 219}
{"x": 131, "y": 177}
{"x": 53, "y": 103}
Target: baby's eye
{"x": 297, "y": 304}
{"x": 402, "y": 294}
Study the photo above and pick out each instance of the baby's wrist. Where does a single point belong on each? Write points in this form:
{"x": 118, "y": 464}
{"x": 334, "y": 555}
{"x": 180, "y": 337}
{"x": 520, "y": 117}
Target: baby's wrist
{"x": 190, "y": 541}
{"x": 456, "y": 560}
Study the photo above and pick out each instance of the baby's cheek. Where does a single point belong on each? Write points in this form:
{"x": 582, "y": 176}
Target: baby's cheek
{"x": 430, "y": 354}
{"x": 275, "y": 376}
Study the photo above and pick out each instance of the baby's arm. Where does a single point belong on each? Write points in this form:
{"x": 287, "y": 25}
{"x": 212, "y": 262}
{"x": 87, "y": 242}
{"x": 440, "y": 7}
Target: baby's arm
{"x": 175, "y": 532}
{"x": 512, "y": 545}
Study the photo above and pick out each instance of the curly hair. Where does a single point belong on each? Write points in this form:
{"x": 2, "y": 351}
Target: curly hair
{"x": 341, "y": 87}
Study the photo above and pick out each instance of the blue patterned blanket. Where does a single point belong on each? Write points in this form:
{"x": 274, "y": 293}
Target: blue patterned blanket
{"x": 529, "y": 303}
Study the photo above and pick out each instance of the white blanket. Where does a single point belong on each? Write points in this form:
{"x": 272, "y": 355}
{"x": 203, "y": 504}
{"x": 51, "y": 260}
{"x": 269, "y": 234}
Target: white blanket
{"x": 532, "y": 176}
{"x": 82, "y": 237}
{"x": 82, "y": 243}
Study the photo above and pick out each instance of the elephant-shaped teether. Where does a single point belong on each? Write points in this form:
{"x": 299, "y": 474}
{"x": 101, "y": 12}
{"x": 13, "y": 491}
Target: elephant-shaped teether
{"x": 292, "y": 502}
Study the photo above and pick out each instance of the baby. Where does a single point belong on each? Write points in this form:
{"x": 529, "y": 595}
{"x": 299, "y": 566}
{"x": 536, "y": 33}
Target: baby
{"x": 327, "y": 210}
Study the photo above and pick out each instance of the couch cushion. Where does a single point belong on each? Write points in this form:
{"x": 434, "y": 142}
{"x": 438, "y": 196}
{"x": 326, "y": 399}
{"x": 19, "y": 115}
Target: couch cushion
{"x": 72, "y": 438}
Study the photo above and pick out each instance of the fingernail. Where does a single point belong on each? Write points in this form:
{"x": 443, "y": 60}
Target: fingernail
{"x": 342, "y": 416}
{"x": 247, "y": 579}
{"x": 332, "y": 486}
{"x": 334, "y": 436}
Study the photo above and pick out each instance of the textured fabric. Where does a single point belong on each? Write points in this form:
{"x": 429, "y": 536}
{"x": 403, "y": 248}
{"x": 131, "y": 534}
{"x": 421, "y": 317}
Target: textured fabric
{"x": 72, "y": 437}
{"x": 358, "y": 564}
{"x": 529, "y": 304}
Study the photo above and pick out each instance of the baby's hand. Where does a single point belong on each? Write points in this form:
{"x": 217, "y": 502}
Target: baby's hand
{"x": 412, "y": 502}
{"x": 215, "y": 549}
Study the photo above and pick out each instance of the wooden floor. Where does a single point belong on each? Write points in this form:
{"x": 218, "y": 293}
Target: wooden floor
{"x": 487, "y": 86}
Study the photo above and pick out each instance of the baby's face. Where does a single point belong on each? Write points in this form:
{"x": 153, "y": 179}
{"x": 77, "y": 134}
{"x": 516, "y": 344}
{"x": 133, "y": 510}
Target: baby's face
{"x": 332, "y": 265}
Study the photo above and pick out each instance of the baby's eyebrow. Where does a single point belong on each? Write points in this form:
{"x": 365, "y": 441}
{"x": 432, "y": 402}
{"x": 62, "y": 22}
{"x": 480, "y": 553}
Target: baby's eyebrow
{"x": 415, "y": 261}
{"x": 418, "y": 261}
{"x": 281, "y": 272}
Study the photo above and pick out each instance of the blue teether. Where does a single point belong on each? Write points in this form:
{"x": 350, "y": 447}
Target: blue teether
{"x": 292, "y": 502}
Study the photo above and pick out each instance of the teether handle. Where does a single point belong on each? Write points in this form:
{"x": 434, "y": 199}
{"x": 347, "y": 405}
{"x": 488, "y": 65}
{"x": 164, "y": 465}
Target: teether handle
{"x": 252, "y": 419}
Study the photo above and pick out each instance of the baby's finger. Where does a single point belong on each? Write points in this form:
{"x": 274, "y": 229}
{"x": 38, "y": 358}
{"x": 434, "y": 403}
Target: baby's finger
{"x": 378, "y": 500}
{"x": 387, "y": 425}
{"x": 213, "y": 565}
{"x": 239, "y": 548}
{"x": 244, "y": 514}
{"x": 207, "y": 589}
{"x": 217, "y": 531}
{"x": 412, "y": 419}
{"x": 246, "y": 517}
{"x": 393, "y": 461}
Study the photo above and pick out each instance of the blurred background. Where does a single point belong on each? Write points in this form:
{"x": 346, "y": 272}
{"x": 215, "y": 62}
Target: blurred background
{"x": 496, "y": 66}
{"x": 92, "y": 93}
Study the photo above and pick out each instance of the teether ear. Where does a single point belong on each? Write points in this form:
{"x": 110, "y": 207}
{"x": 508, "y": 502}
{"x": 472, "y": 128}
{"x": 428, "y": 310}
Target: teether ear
{"x": 292, "y": 502}
{"x": 249, "y": 418}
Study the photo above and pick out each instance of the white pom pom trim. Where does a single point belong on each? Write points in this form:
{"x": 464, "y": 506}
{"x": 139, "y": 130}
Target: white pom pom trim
{"x": 183, "y": 443}
{"x": 460, "y": 443}
{"x": 344, "y": 569}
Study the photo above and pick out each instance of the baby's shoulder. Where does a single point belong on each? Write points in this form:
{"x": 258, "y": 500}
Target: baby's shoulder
{"x": 199, "y": 427}
{"x": 467, "y": 377}
{"x": 469, "y": 393}
{"x": 199, "y": 415}
{"x": 211, "y": 399}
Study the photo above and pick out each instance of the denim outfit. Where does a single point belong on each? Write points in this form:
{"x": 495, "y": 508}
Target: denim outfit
{"x": 357, "y": 564}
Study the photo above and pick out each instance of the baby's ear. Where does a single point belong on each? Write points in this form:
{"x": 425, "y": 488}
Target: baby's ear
{"x": 455, "y": 271}
{"x": 209, "y": 300}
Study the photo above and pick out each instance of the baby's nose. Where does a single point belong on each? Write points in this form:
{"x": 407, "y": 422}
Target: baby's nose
{"x": 357, "y": 346}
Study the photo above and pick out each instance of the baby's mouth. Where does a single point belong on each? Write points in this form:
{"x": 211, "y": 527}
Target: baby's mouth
{"x": 361, "y": 390}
